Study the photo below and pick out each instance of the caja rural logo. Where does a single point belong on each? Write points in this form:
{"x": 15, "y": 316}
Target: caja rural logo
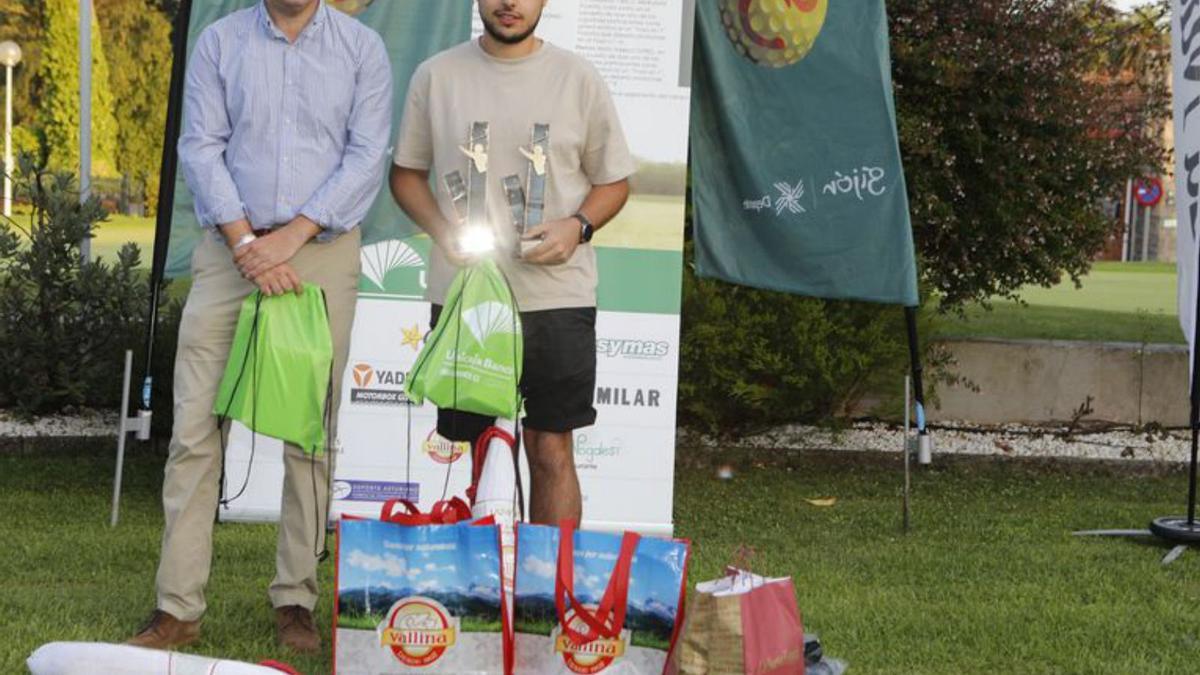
{"x": 773, "y": 33}
{"x": 592, "y": 657}
{"x": 418, "y": 630}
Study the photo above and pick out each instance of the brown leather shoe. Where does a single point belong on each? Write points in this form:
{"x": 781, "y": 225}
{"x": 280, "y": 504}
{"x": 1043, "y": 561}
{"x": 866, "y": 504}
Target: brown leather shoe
{"x": 163, "y": 631}
{"x": 295, "y": 629}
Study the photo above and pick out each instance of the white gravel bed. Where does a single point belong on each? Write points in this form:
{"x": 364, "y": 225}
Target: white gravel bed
{"x": 964, "y": 439}
{"x": 90, "y": 423}
{"x": 959, "y": 439}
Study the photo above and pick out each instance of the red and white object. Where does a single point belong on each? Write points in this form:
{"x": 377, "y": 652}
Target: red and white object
{"x": 741, "y": 623}
{"x": 493, "y": 490}
{"x": 493, "y": 493}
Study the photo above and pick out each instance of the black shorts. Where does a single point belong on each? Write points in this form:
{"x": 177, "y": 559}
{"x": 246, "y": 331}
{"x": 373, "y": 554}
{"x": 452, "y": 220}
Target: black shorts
{"x": 558, "y": 377}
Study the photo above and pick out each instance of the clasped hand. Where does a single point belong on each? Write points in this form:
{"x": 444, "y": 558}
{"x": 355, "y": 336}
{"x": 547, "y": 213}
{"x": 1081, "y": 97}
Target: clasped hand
{"x": 265, "y": 262}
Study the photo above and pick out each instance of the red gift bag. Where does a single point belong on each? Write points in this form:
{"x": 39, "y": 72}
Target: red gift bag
{"x": 742, "y": 623}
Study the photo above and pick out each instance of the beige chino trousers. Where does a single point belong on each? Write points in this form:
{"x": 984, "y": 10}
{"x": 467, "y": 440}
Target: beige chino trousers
{"x": 190, "y": 485}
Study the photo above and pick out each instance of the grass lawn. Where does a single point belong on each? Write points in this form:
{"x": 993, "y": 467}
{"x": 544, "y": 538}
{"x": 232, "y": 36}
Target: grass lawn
{"x": 647, "y": 221}
{"x": 112, "y": 234}
{"x": 989, "y": 581}
{"x": 1121, "y": 302}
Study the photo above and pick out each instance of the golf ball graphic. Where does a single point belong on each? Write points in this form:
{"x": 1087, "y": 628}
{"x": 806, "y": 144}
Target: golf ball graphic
{"x": 773, "y": 33}
{"x": 351, "y": 7}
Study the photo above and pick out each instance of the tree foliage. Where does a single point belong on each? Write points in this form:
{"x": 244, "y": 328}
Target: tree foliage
{"x": 138, "y": 42}
{"x": 1017, "y": 119}
{"x": 22, "y": 22}
{"x": 59, "y": 118}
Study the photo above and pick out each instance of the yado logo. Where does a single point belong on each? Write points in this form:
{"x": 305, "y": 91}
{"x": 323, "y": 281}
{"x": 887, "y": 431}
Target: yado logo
{"x": 591, "y": 657}
{"x": 363, "y": 374}
{"x": 376, "y": 386}
{"x": 444, "y": 451}
{"x": 633, "y": 349}
{"x": 418, "y": 630}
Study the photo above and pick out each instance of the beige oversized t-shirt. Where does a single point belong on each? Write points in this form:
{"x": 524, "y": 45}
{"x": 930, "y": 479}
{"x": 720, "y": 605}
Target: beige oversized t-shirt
{"x": 464, "y": 85}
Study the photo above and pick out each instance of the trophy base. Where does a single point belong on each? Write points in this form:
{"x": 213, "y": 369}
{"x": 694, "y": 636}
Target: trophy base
{"x": 527, "y": 245}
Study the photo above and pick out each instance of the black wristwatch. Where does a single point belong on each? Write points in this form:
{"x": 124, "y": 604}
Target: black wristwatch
{"x": 586, "y": 229}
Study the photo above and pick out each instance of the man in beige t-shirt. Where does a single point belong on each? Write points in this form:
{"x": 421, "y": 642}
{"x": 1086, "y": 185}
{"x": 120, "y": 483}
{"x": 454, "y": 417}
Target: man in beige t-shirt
{"x": 511, "y": 105}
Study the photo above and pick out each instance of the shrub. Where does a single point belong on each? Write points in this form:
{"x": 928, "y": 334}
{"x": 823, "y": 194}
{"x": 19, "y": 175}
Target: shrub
{"x": 751, "y": 358}
{"x": 64, "y": 325}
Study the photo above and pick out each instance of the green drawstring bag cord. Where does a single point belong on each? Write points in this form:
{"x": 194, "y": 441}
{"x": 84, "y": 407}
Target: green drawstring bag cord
{"x": 278, "y": 374}
{"x": 472, "y": 359}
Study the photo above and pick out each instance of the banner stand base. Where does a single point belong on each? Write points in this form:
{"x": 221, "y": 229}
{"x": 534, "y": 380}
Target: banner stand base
{"x": 1176, "y": 529}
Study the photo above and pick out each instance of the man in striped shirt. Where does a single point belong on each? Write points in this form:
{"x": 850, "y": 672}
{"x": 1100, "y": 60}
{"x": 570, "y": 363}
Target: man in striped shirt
{"x": 287, "y": 118}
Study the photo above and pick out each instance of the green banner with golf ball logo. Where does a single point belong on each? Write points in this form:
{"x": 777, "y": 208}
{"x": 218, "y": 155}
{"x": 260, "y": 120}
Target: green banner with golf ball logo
{"x": 797, "y": 180}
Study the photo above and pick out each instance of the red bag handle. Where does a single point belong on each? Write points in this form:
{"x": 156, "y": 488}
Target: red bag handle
{"x": 442, "y": 513}
{"x": 609, "y": 617}
{"x": 450, "y": 512}
{"x": 387, "y": 513}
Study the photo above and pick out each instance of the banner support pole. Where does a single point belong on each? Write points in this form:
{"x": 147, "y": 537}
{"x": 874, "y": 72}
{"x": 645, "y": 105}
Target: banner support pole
{"x": 924, "y": 440}
{"x": 166, "y": 189}
{"x": 1184, "y": 530}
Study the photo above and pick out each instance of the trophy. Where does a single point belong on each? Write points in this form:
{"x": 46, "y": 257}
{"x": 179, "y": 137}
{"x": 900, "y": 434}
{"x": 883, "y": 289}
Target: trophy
{"x": 526, "y": 204}
{"x": 477, "y": 236}
{"x": 538, "y": 156}
{"x": 516, "y": 206}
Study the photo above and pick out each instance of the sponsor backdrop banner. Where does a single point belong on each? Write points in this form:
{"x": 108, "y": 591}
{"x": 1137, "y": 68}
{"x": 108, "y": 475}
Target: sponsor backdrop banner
{"x": 798, "y": 185}
{"x": 1185, "y": 50}
{"x": 388, "y": 449}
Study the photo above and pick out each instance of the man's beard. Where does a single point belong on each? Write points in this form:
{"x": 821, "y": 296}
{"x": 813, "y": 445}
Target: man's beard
{"x": 492, "y": 30}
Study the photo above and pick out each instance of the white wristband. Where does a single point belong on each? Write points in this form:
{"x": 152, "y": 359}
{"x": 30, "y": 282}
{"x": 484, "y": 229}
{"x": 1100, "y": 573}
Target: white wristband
{"x": 245, "y": 239}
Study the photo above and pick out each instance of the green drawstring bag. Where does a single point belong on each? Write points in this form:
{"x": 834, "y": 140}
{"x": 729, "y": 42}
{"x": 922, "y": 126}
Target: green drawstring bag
{"x": 277, "y": 379}
{"x": 472, "y": 359}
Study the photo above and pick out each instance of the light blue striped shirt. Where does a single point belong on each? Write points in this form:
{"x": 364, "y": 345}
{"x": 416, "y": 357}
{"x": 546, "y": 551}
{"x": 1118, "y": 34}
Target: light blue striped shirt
{"x": 273, "y": 129}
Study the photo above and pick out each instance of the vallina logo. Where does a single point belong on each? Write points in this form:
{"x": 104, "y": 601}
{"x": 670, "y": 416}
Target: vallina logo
{"x": 374, "y": 386}
{"x": 592, "y": 657}
{"x": 419, "y": 631}
{"x": 393, "y": 267}
{"x": 442, "y": 450}
{"x": 773, "y": 33}
{"x": 653, "y": 350}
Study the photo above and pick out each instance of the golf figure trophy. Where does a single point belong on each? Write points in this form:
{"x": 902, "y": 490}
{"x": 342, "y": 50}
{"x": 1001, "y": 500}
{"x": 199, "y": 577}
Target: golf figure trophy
{"x": 469, "y": 197}
{"x": 528, "y": 205}
{"x": 526, "y": 202}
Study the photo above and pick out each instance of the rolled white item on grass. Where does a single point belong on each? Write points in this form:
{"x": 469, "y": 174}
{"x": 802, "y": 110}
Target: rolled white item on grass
{"x": 496, "y": 495}
{"x": 95, "y": 658}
